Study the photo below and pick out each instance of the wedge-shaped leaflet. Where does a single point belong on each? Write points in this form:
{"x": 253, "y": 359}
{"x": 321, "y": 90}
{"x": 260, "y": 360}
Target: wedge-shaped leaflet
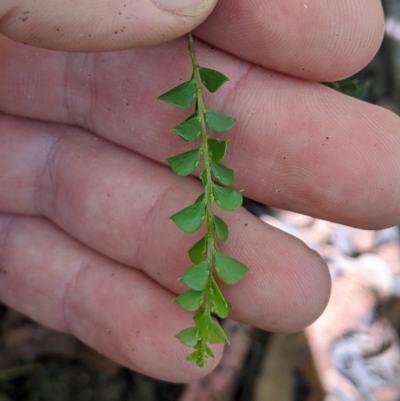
{"x": 197, "y": 251}
{"x": 195, "y": 357}
{"x": 226, "y": 198}
{"x": 209, "y": 352}
{"x": 197, "y": 277}
{"x": 202, "y": 323}
{"x": 190, "y": 300}
{"x": 217, "y": 149}
{"x": 181, "y": 96}
{"x": 212, "y": 79}
{"x": 221, "y": 228}
{"x": 198, "y": 316}
{"x": 203, "y": 177}
{"x": 190, "y": 129}
{"x": 188, "y": 336}
{"x": 191, "y": 218}
{"x": 223, "y": 174}
{"x": 220, "y": 306}
{"x": 200, "y": 198}
{"x": 229, "y": 270}
{"x": 218, "y": 122}
{"x": 216, "y": 334}
{"x": 185, "y": 163}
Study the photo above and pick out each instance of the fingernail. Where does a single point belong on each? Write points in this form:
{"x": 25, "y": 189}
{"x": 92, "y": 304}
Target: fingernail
{"x": 185, "y": 7}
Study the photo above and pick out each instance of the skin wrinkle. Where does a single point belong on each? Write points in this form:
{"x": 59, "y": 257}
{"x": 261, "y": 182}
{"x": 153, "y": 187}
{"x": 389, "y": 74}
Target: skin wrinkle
{"x": 68, "y": 311}
{"x": 81, "y": 116}
{"x": 47, "y": 182}
{"x": 145, "y": 233}
{"x": 5, "y": 232}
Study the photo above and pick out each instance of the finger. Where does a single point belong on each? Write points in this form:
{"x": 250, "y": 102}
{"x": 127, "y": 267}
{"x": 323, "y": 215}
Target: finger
{"x": 298, "y": 145}
{"x": 119, "y": 204}
{"x": 321, "y": 40}
{"x": 100, "y": 25}
{"x": 117, "y": 310}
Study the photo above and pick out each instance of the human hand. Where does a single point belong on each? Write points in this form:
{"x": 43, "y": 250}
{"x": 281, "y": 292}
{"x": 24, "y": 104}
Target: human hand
{"x": 86, "y": 244}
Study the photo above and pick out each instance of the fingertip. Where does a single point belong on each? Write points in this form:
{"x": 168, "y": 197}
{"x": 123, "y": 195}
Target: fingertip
{"x": 318, "y": 40}
{"x": 356, "y": 44}
{"x": 94, "y": 26}
{"x": 307, "y": 291}
{"x": 313, "y": 291}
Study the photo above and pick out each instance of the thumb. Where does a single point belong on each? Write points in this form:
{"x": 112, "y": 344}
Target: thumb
{"x": 100, "y": 25}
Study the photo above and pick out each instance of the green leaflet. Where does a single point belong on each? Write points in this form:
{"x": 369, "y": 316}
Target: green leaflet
{"x": 197, "y": 277}
{"x": 220, "y": 306}
{"x": 198, "y": 358}
{"x": 350, "y": 87}
{"x": 212, "y": 79}
{"x": 217, "y": 149}
{"x": 223, "y": 174}
{"x": 190, "y": 129}
{"x": 229, "y": 270}
{"x": 190, "y": 300}
{"x": 197, "y": 251}
{"x": 185, "y": 163}
{"x": 188, "y": 336}
{"x": 209, "y": 352}
{"x": 181, "y": 96}
{"x": 200, "y": 198}
{"x": 190, "y": 218}
{"x": 226, "y": 198}
{"x": 203, "y": 324}
{"x": 198, "y": 316}
{"x": 221, "y": 228}
{"x": 218, "y": 122}
{"x": 216, "y": 334}
{"x": 203, "y": 177}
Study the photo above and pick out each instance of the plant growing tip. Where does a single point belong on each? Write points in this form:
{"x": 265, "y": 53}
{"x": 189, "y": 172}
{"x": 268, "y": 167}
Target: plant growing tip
{"x": 204, "y": 295}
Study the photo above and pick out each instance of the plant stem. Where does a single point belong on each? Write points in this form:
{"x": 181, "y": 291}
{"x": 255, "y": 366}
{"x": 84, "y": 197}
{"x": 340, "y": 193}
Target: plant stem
{"x": 208, "y": 187}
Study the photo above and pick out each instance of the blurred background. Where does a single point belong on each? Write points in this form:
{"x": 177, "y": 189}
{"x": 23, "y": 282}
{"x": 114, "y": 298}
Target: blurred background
{"x": 351, "y": 353}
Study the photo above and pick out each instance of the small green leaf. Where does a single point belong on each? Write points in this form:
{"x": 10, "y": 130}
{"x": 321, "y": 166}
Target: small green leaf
{"x": 203, "y": 177}
{"x": 223, "y": 174}
{"x": 197, "y": 251}
{"x": 200, "y": 198}
{"x": 191, "y": 218}
{"x": 209, "y": 352}
{"x": 188, "y": 336}
{"x": 221, "y": 228}
{"x": 190, "y": 300}
{"x": 218, "y": 122}
{"x": 185, "y": 163}
{"x": 220, "y": 306}
{"x": 229, "y": 270}
{"x": 197, "y": 277}
{"x": 350, "y": 87}
{"x": 198, "y": 316}
{"x": 181, "y": 96}
{"x": 203, "y": 323}
{"x": 217, "y": 149}
{"x": 226, "y": 198}
{"x": 194, "y": 356}
{"x": 216, "y": 334}
{"x": 212, "y": 79}
{"x": 190, "y": 129}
